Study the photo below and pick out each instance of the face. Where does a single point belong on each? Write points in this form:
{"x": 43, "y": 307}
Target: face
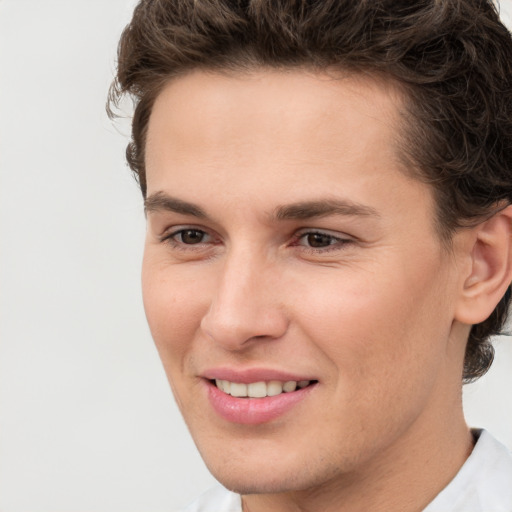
{"x": 294, "y": 284}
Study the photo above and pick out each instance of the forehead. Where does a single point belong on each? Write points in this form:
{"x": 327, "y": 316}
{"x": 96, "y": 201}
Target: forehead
{"x": 205, "y": 109}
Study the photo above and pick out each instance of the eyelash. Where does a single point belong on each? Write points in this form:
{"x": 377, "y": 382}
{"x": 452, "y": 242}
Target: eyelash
{"x": 171, "y": 239}
{"x": 337, "y": 245}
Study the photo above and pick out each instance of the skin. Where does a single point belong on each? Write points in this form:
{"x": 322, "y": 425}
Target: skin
{"x": 378, "y": 314}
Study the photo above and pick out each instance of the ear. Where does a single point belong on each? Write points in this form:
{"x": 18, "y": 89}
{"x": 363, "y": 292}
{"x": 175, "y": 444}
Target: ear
{"x": 490, "y": 251}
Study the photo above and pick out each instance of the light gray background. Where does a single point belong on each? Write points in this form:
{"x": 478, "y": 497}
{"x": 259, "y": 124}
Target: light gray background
{"x": 87, "y": 422}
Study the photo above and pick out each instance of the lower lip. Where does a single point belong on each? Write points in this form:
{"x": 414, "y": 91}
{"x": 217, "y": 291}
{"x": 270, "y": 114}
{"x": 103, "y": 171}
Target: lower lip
{"x": 252, "y": 411}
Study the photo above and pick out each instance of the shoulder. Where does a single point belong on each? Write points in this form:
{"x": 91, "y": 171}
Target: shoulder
{"x": 217, "y": 499}
{"x": 483, "y": 482}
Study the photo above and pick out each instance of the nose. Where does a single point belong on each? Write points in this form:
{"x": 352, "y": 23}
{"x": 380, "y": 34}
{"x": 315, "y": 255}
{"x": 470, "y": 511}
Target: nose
{"x": 245, "y": 304}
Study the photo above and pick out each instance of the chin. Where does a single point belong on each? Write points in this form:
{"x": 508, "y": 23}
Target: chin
{"x": 267, "y": 482}
{"x": 243, "y": 487}
{"x": 284, "y": 472}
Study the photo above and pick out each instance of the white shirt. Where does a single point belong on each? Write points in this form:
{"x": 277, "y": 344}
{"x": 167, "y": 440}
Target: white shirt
{"x": 483, "y": 484}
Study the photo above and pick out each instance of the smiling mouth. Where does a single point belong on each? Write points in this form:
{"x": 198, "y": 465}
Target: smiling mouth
{"x": 260, "y": 389}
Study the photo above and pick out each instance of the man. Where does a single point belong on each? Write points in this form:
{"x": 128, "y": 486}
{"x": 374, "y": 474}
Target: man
{"x": 327, "y": 187}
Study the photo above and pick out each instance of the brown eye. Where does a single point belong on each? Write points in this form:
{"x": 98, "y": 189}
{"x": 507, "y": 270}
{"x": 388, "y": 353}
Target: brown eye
{"x": 318, "y": 240}
{"x": 191, "y": 236}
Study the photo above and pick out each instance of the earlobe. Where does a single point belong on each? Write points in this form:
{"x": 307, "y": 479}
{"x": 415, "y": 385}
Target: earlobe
{"x": 491, "y": 268}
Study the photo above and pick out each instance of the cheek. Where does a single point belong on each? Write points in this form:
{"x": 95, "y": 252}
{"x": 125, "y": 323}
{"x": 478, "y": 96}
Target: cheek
{"x": 382, "y": 340}
{"x": 174, "y": 307}
{"x": 390, "y": 323}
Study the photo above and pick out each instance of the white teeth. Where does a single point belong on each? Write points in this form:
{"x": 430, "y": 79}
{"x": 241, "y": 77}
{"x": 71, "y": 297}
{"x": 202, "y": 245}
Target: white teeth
{"x": 259, "y": 389}
{"x": 238, "y": 389}
{"x": 289, "y": 386}
{"x": 223, "y": 385}
{"x": 274, "y": 387}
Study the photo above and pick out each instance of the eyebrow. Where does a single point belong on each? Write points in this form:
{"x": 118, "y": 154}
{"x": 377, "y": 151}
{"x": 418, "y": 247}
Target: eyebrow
{"x": 160, "y": 201}
{"x": 303, "y": 210}
{"x": 323, "y": 208}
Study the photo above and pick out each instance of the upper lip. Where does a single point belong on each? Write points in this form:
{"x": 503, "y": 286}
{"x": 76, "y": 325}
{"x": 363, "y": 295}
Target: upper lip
{"x": 248, "y": 375}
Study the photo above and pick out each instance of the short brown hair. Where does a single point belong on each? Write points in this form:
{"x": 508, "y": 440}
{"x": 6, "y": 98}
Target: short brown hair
{"x": 453, "y": 59}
